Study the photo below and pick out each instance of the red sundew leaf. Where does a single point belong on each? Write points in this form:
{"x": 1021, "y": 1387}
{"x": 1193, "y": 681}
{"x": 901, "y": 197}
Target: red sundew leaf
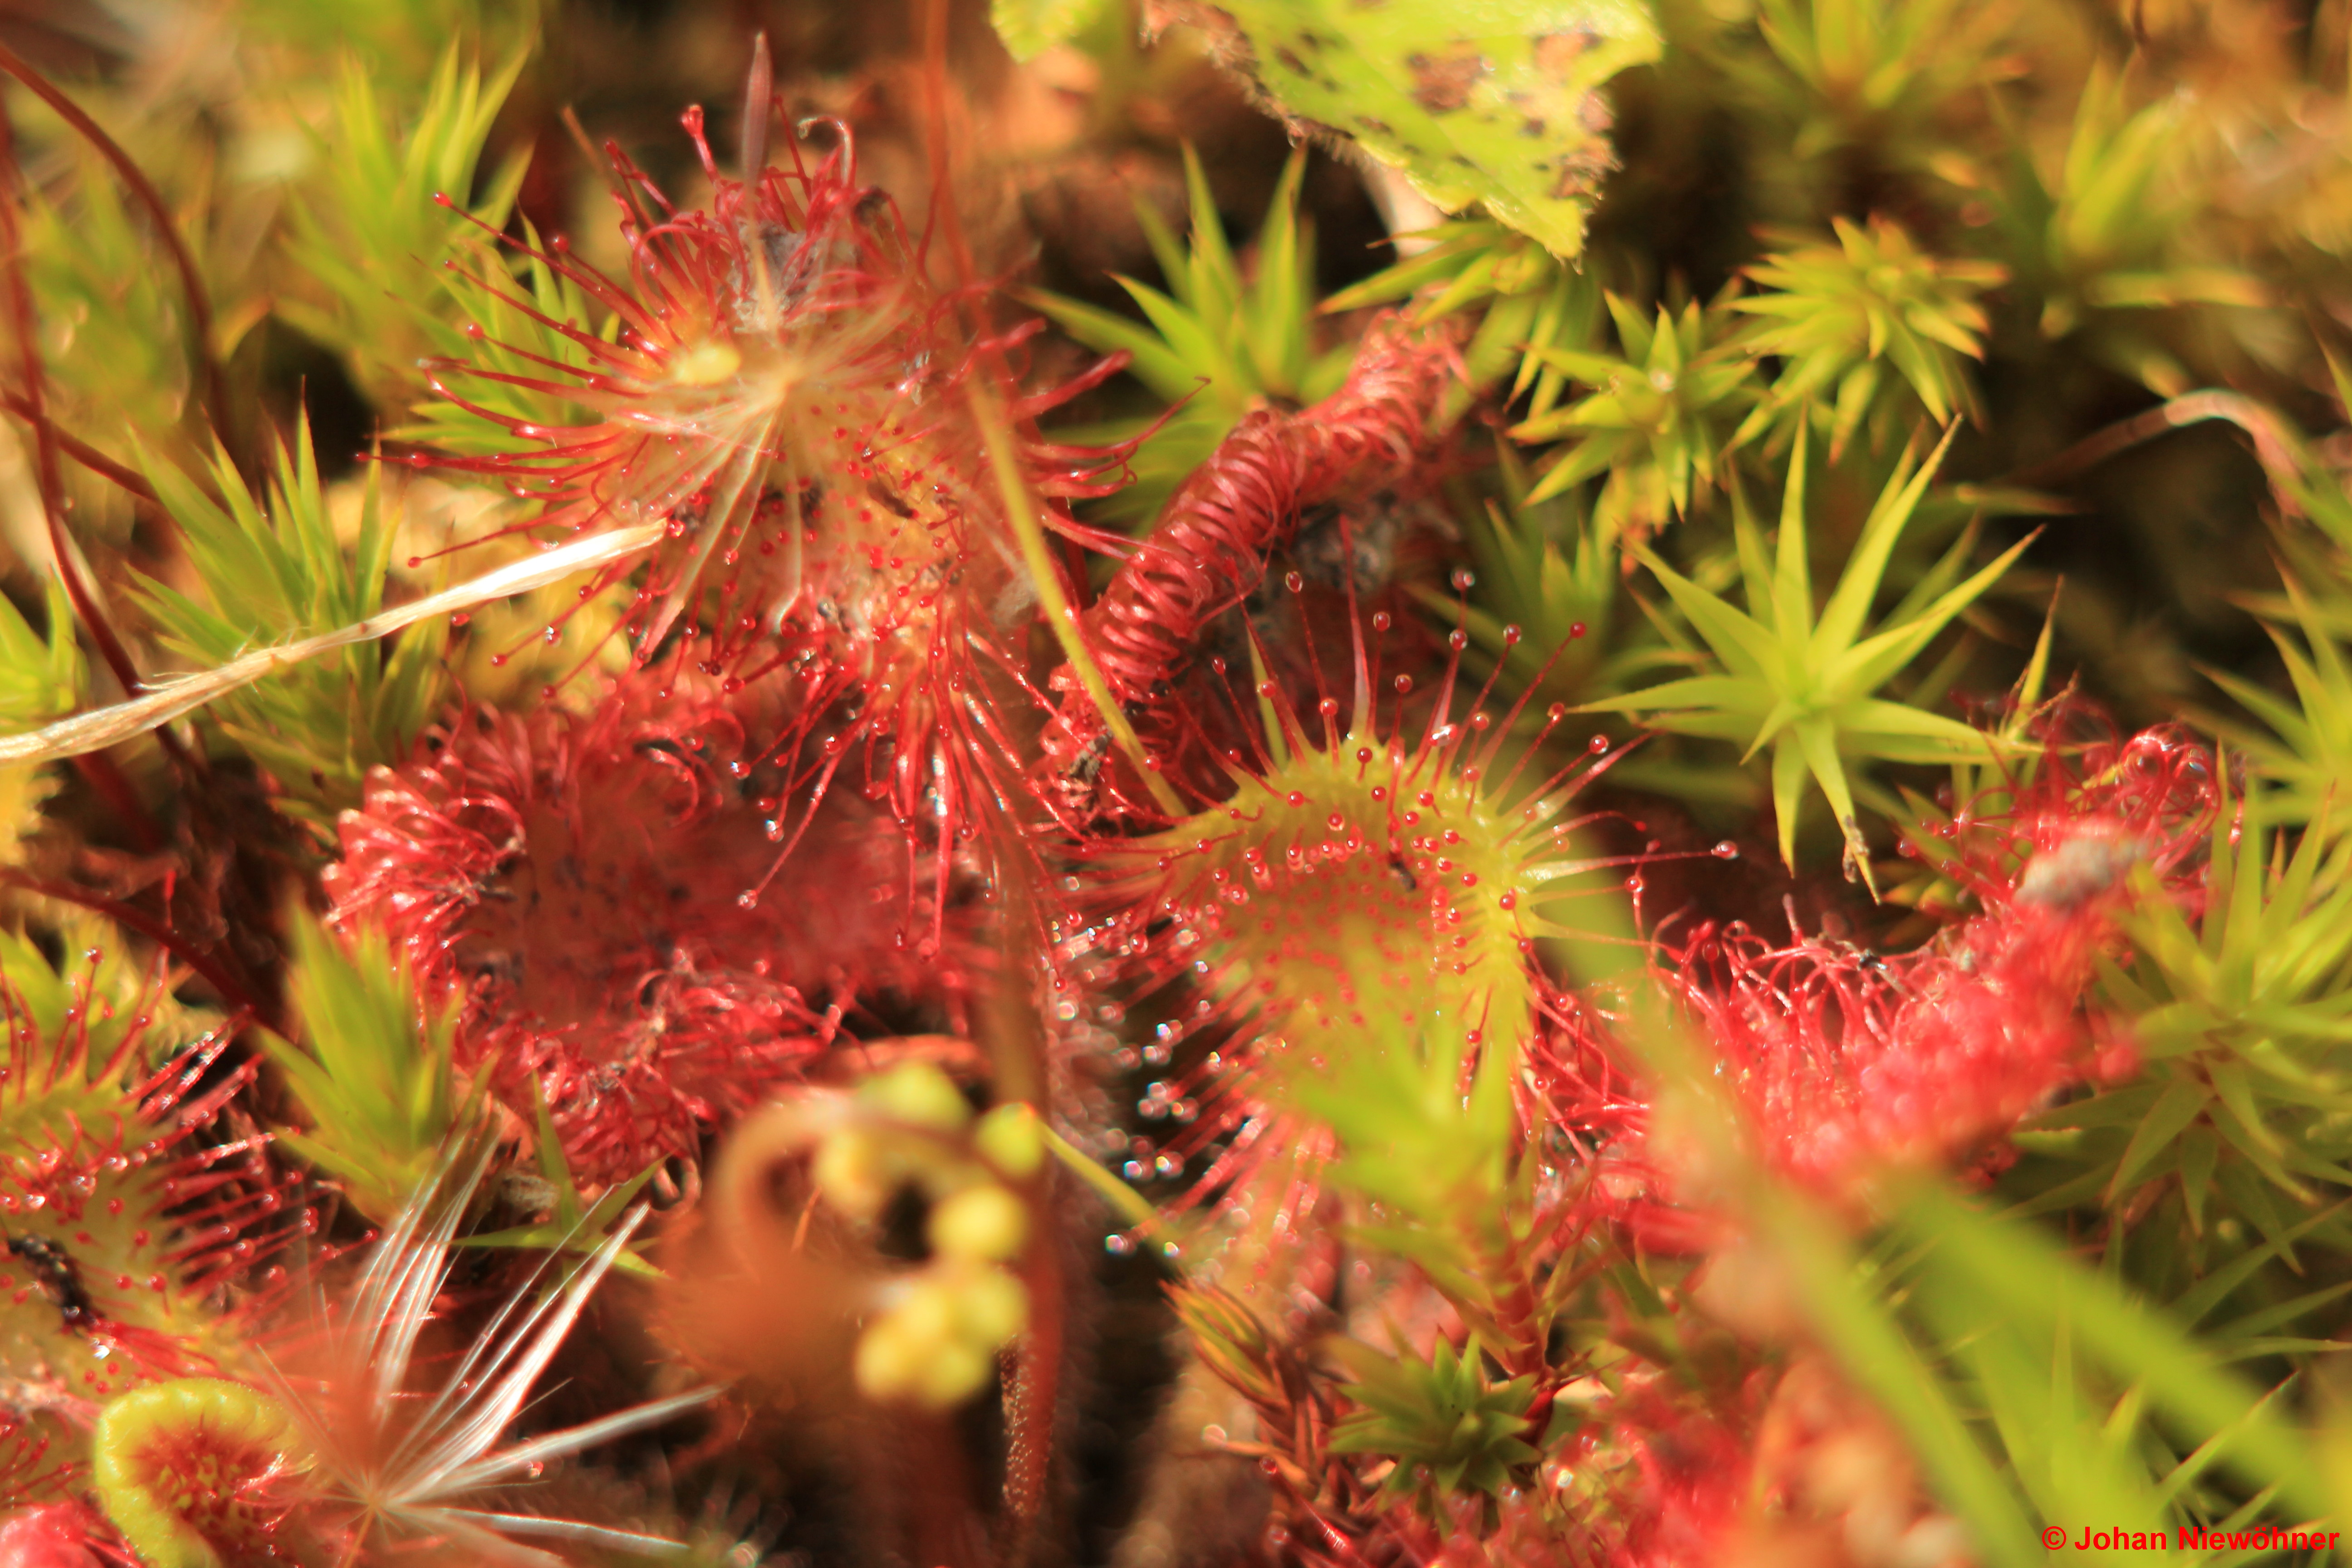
{"x": 579, "y": 880}
{"x": 1846, "y": 1065}
{"x": 1386, "y": 427}
{"x": 62, "y": 1535}
{"x": 782, "y": 397}
{"x": 2061, "y": 825}
{"x": 118, "y": 1223}
{"x": 1848, "y": 1062}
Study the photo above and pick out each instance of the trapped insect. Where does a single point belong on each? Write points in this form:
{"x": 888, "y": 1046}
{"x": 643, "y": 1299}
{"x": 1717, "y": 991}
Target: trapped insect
{"x": 58, "y": 1277}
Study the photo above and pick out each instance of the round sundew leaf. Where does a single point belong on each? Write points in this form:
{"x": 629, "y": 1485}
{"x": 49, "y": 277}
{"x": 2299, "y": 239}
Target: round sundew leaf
{"x": 53, "y": 1535}
{"x": 1346, "y": 882}
{"x": 98, "y": 1291}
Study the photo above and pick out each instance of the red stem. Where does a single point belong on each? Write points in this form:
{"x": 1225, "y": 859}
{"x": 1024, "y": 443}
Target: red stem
{"x": 200, "y": 307}
{"x": 82, "y": 452}
{"x": 1034, "y": 1388}
{"x": 99, "y": 772}
{"x": 233, "y": 990}
{"x": 943, "y": 218}
{"x": 33, "y": 400}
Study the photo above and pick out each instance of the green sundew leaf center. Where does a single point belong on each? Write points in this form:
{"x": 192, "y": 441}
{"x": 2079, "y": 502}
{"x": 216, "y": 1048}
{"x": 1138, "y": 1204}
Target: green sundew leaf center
{"x": 1350, "y": 880}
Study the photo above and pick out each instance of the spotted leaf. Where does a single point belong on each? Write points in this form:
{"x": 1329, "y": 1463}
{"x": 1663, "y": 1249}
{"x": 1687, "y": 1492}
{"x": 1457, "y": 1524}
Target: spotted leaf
{"x": 1495, "y": 102}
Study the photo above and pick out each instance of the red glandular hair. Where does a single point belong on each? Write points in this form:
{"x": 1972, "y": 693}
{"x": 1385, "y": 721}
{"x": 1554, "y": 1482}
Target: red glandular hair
{"x": 1381, "y": 431}
{"x": 579, "y": 880}
{"x": 30, "y": 1472}
{"x": 120, "y": 1225}
{"x": 1349, "y": 871}
{"x": 2079, "y": 812}
{"x": 791, "y": 395}
{"x": 1847, "y": 1060}
{"x": 62, "y": 1535}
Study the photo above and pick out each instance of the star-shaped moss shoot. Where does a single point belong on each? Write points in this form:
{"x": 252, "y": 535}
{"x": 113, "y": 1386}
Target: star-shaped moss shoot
{"x": 1804, "y": 682}
{"x": 1449, "y": 1430}
{"x": 2307, "y": 753}
{"x": 1840, "y": 316}
{"x": 1664, "y": 414}
{"x": 1219, "y": 344}
{"x": 2239, "y": 1010}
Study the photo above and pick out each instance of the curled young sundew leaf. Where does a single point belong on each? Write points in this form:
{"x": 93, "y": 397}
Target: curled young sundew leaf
{"x": 1497, "y": 102}
{"x": 784, "y": 1281}
{"x": 182, "y": 1468}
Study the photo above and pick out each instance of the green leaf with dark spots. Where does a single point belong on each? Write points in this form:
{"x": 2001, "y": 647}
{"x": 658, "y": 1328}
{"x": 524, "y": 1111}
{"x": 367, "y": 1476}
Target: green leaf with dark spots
{"x": 1495, "y": 102}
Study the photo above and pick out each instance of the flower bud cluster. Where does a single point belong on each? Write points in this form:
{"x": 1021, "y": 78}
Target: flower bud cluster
{"x": 935, "y": 1337}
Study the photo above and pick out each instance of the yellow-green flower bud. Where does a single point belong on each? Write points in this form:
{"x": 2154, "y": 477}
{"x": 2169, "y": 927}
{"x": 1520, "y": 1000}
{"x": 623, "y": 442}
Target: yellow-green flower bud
{"x": 937, "y": 1344}
{"x": 920, "y": 1351}
{"x": 953, "y": 1373}
{"x": 991, "y": 1307}
{"x": 919, "y": 1094}
{"x": 856, "y": 1172}
{"x": 1009, "y": 1139}
{"x": 889, "y": 1358}
{"x": 985, "y": 1222}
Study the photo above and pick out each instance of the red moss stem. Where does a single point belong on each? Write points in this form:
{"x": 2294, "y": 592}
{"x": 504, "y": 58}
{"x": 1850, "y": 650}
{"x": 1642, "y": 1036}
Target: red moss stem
{"x": 71, "y": 568}
{"x": 215, "y": 972}
{"x": 129, "y": 479}
{"x": 143, "y": 189}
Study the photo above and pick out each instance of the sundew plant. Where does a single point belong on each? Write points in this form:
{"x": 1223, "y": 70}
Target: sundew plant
{"x": 1130, "y": 783}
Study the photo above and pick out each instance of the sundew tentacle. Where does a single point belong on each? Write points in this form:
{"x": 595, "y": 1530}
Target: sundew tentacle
{"x": 575, "y": 879}
{"x": 1382, "y": 430}
{"x": 116, "y": 1231}
{"x": 190, "y": 1470}
{"x": 36, "y": 1472}
{"x": 1373, "y": 873}
{"x": 786, "y": 396}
